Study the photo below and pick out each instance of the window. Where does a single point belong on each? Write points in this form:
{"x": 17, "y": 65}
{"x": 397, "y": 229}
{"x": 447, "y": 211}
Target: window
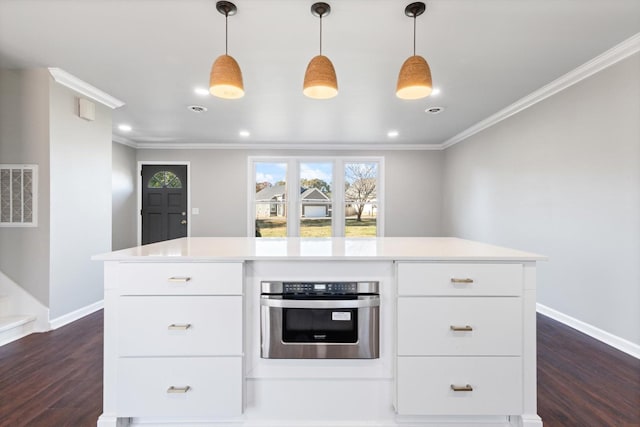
{"x": 315, "y": 199}
{"x": 270, "y": 199}
{"x": 361, "y": 204}
{"x": 331, "y": 197}
{"x": 164, "y": 179}
{"x": 18, "y": 195}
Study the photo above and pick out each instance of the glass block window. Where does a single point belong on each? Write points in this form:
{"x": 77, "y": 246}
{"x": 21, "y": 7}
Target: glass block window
{"x": 18, "y": 195}
{"x": 164, "y": 179}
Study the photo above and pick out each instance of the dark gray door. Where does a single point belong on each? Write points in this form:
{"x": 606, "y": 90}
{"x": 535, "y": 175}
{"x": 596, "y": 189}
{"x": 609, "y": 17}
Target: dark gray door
{"x": 164, "y": 202}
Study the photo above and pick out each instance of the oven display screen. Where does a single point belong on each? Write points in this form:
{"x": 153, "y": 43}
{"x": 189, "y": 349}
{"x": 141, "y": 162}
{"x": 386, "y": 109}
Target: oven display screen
{"x": 319, "y": 287}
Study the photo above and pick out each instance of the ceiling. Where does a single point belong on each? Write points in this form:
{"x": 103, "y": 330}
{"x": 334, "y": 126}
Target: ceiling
{"x": 151, "y": 54}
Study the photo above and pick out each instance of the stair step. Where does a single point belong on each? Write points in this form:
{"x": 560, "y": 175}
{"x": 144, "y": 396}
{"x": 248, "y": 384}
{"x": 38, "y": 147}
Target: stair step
{"x": 15, "y": 327}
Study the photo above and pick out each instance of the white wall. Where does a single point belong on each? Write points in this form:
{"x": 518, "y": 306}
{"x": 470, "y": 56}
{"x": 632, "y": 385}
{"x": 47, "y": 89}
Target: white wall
{"x": 219, "y": 188}
{"x": 80, "y": 181}
{"x": 24, "y": 138}
{"x": 124, "y": 198}
{"x": 562, "y": 178}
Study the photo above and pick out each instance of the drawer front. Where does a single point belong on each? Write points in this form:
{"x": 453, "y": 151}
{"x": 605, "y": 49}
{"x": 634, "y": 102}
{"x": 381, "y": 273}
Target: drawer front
{"x": 180, "y": 278}
{"x": 180, "y": 325}
{"x": 214, "y": 387}
{"x": 440, "y": 326}
{"x": 424, "y": 385}
{"x": 457, "y": 279}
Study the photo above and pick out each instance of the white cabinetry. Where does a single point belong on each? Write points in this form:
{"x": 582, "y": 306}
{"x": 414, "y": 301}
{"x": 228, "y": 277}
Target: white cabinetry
{"x": 459, "y": 346}
{"x": 177, "y": 350}
{"x": 182, "y": 338}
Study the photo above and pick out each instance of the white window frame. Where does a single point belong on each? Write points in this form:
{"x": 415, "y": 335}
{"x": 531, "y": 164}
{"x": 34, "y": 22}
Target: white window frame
{"x": 34, "y": 206}
{"x": 293, "y": 196}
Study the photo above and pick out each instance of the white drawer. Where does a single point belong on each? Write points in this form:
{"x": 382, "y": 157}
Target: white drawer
{"x": 424, "y": 385}
{"x": 180, "y": 278}
{"x": 425, "y": 326}
{"x": 157, "y": 325}
{"x": 458, "y": 279}
{"x": 215, "y": 387}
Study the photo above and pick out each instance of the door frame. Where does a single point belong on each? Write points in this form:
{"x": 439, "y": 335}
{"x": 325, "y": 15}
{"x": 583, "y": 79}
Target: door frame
{"x": 139, "y": 193}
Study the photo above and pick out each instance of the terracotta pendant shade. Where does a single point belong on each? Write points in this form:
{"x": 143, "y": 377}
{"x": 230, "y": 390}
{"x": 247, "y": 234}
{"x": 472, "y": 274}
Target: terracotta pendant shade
{"x": 320, "y": 80}
{"x": 225, "y": 80}
{"x": 414, "y": 80}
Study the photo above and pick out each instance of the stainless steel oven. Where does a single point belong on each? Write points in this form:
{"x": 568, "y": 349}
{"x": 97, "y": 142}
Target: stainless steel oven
{"x": 320, "y": 320}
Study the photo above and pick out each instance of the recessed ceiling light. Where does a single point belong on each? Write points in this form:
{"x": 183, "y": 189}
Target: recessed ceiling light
{"x": 201, "y": 91}
{"x": 244, "y": 133}
{"x": 125, "y": 128}
{"x": 392, "y": 133}
{"x": 436, "y": 91}
{"x": 434, "y": 110}
{"x": 197, "y": 108}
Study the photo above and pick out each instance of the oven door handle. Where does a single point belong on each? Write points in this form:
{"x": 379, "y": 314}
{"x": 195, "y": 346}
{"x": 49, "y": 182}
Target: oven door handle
{"x": 327, "y": 304}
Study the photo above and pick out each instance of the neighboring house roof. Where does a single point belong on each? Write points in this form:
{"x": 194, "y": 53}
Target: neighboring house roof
{"x": 313, "y": 194}
{"x": 268, "y": 193}
{"x": 309, "y": 194}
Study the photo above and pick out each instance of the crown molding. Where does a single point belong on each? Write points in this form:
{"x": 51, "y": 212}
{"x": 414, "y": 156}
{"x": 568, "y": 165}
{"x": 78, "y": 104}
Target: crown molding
{"x": 124, "y": 141}
{"x": 617, "y": 53}
{"x": 84, "y": 88}
{"x": 275, "y": 146}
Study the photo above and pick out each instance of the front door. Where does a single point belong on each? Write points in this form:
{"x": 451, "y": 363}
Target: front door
{"x": 164, "y": 202}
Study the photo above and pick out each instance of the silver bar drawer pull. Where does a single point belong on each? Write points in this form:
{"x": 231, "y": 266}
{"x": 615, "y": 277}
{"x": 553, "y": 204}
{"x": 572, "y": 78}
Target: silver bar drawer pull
{"x": 461, "y": 387}
{"x": 173, "y": 389}
{"x": 179, "y": 279}
{"x": 465, "y": 328}
{"x": 461, "y": 280}
{"x": 181, "y": 327}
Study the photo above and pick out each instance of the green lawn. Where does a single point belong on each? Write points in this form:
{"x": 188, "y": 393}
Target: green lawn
{"x": 272, "y": 227}
{"x": 321, "y": 227}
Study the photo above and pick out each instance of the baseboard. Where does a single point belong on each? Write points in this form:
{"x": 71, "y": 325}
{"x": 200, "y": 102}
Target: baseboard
{"x": 621, "y": 344}
{"x": 75, "y": 315}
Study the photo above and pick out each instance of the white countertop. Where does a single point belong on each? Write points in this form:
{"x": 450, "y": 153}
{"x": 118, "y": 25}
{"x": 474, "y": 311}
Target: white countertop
{"x": 313, "y": 249}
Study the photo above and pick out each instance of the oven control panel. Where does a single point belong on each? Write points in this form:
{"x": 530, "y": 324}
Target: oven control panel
{"x": 320, "y": 288}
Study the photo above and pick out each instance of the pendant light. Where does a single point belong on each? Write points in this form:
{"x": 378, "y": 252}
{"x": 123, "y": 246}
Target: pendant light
{"x": 225, "y": 80}
{"x": 414, "y": 80}
{"x": 320, "y": 80}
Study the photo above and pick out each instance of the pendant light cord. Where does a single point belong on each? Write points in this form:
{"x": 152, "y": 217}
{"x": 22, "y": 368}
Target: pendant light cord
{"x": 321, "y": 34}
{"x": 226, "y": 34}
{"x": 414, "y": 34}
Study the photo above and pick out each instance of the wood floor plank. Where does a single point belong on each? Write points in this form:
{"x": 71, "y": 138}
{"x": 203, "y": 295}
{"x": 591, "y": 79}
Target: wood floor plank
{"x": 55, "y": 378}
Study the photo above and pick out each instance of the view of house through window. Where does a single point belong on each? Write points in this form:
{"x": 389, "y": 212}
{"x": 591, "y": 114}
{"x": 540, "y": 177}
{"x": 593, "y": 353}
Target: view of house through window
{"x": 360, "y": 182}
{"x": 331, "y": 197}
{"x": 271, "y": 200}
{"x": 315, "y": 199}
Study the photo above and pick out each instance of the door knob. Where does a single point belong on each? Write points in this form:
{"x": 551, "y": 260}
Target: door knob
{"x": 183, "y": 222}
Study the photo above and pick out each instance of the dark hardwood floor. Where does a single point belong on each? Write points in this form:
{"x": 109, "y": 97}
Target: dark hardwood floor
{"x": 583, "y": 382}
{"x": 54, "y": 379}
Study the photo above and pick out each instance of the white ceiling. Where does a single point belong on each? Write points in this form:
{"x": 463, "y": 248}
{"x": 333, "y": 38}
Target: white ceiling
{"x": 151, "y": 54}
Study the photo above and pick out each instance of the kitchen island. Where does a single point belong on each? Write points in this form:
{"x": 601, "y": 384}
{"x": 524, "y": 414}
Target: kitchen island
{"x": 457, "y": 335}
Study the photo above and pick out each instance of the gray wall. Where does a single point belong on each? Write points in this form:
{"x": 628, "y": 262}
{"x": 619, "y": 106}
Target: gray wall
{"x": 219, "y": 188}
{"x": 80, "y": 201}
{"x": 124, "y": 201}
{"x": 562, "y": 178}
{"x": 24, "y": 138}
